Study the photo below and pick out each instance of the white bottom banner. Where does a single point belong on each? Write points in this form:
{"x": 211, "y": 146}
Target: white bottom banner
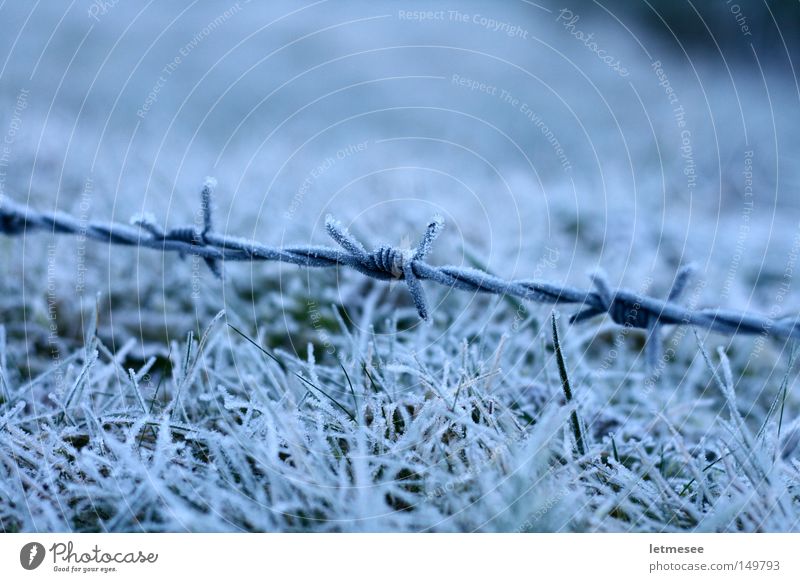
{"x": 387, "y": 557}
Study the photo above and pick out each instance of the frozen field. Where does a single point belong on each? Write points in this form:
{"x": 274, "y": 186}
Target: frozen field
{"x": 553, "y": 141}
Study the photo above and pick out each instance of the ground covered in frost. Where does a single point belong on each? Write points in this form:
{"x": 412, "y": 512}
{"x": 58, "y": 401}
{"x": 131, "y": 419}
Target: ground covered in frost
{"x": 140, "y": 393}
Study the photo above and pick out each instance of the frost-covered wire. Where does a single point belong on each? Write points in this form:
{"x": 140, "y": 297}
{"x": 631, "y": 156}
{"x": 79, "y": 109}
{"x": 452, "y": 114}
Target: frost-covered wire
{"x": 625, "y": 307}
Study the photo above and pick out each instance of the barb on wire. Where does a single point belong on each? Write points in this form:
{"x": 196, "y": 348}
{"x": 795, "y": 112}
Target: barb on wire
{"x": 623, "y": 306}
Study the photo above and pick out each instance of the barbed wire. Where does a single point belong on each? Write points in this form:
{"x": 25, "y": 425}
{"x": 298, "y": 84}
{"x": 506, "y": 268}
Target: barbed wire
{"x": 625, "y": 307}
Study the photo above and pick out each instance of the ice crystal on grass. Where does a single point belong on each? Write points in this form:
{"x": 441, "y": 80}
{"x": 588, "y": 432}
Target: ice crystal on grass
{"x": 232, "y": 436}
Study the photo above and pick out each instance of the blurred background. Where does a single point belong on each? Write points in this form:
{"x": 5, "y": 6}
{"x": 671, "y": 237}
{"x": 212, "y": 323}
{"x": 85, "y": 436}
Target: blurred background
{"x": 553, "y": 138}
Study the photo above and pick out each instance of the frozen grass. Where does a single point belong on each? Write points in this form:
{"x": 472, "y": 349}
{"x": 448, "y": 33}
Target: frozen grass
{"x": 321, "y": 403}
{"x": 465, "y": 435}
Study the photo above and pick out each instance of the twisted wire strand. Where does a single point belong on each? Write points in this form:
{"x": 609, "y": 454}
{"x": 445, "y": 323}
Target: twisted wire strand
{"x": 624, "y": 307}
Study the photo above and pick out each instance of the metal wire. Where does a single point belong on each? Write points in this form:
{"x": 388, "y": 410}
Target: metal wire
{"x": 625, "y": 307}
